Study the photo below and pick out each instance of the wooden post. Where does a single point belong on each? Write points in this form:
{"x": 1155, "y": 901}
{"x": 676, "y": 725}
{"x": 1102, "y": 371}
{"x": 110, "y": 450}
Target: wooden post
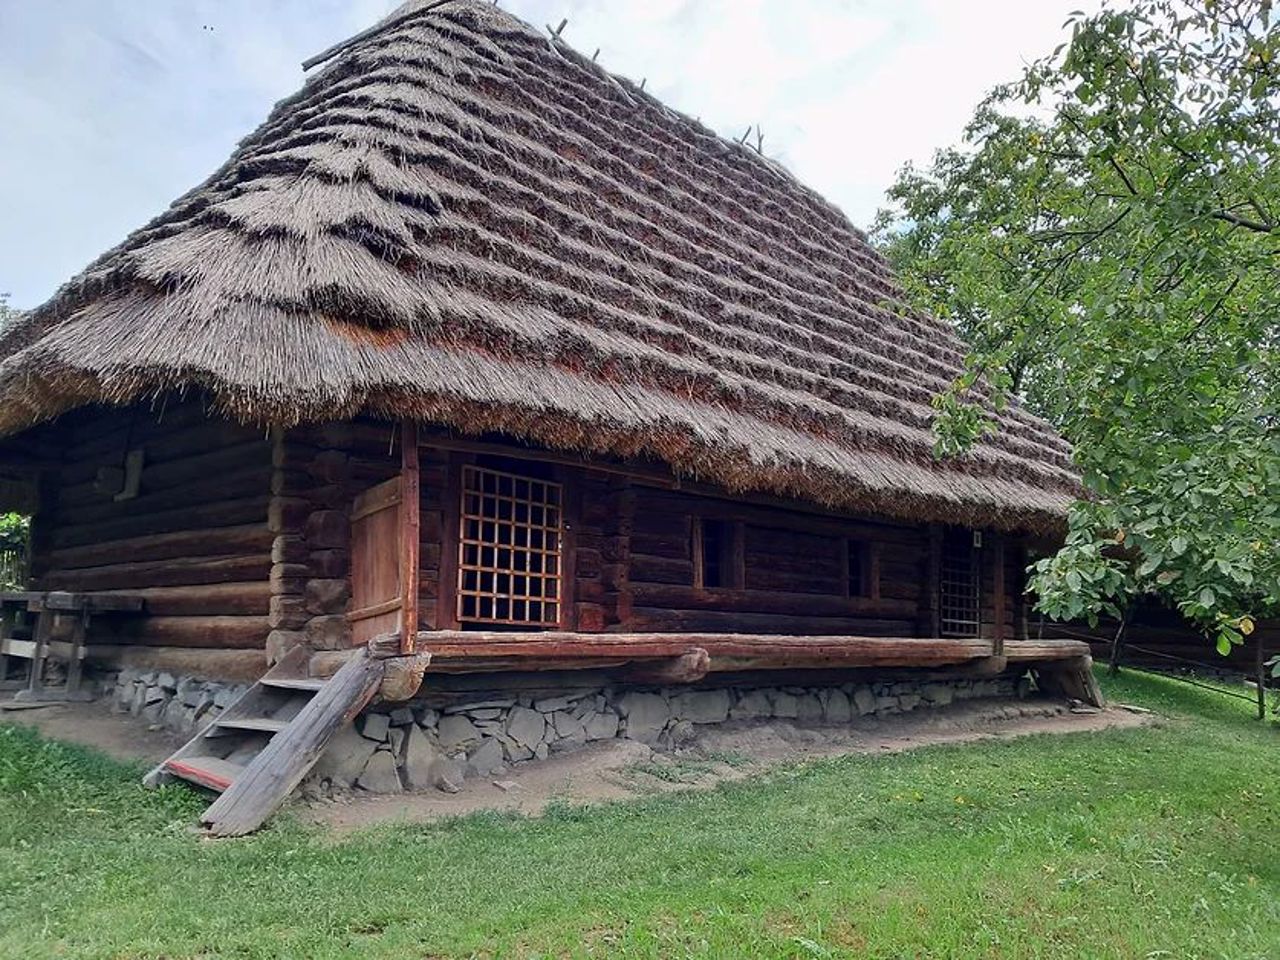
{"x": 410, "y": 535}
{"x": 1117, "y": 643}
{"x": 930, "y": 621}
{"x": 999, "y": 631}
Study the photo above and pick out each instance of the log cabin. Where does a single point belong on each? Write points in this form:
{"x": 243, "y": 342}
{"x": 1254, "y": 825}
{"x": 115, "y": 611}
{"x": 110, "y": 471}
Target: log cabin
{"x": 476, "y": 346}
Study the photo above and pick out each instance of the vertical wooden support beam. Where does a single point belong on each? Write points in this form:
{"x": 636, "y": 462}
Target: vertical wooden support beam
{"x": 930, "y": 619}
{"x": 998, "y": 592}
{"x": 410, "y": 535}
{"x": 1021, "y": 628}
{"x": 450, "y": 536}
{"x": 572, "y": 519}
{"x": 738, "y": 555}
{"x": 1260, "y": 675}
{"x": 873, "y": 571}
{"x": 695, "y": 550}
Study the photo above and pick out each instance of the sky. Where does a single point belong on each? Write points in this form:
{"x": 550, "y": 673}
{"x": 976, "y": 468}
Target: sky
{"x": 111, "y": 109}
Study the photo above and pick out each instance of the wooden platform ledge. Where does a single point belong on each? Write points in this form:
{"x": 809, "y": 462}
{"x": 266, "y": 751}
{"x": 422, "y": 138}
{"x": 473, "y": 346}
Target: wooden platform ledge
{"x": 692, "y": 655}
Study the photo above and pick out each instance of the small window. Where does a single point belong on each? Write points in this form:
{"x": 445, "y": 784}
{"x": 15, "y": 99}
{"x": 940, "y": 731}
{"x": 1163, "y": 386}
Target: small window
{"x": 713, "y": 548}
{"x": 509, "y": 563}
{"x": 960, "y": 585}
{"x": 857, "y": 580}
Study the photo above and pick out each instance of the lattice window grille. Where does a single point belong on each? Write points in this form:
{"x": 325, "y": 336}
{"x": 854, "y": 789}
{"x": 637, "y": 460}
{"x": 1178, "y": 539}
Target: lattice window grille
{"x": 960, "y": 591}
{"x": 509, "y": 564}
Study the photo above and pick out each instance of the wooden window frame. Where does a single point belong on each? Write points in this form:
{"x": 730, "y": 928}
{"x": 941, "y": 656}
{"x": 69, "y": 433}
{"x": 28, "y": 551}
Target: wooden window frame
{"x": 733, "y": 562}
{"x": 869, "y": 564}
{"x": 447, "y": 606}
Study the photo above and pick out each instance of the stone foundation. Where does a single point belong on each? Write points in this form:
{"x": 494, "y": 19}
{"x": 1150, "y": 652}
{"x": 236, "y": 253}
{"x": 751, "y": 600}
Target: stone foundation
{"x": 410, "y": 746}
{"x": 415, "y": 747}
{"x": 181, "y": 704}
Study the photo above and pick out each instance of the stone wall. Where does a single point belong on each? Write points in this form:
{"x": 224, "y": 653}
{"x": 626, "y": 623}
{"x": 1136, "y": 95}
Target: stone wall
{"x": 180, "y": 704}
{"x": 414, "y": 747}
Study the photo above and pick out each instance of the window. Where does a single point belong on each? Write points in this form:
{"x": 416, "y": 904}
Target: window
{"x": 959, "y": 585}
{"x": 509, "y": 560}
{"x": 716, "y": 559}
{"x": 857, "y": 569}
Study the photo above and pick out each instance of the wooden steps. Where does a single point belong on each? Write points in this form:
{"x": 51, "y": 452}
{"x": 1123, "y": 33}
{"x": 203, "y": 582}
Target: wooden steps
{"x": 262, "y": 745}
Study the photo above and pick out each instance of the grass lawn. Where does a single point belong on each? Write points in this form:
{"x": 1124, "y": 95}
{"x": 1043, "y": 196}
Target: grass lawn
{"x": 1154, "y": 842}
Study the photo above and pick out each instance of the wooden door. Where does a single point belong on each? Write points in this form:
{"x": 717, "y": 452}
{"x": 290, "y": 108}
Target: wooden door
{"x": 377, "y": 589}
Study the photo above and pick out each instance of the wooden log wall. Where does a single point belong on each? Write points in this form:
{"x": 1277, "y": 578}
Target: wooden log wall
{"x": 194, "y": 541}
{"x": 793, "y": 577}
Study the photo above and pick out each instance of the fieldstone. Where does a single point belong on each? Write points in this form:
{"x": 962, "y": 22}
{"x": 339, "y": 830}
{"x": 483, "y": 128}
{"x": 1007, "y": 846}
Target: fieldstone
{"x": 837, "y": 708}
{"x": 428, "y": 718}
{"x": 490, "y": 728}
{"x": 486, "y": 759}
{"x": 152, "y": 695}
{"x": 552, "y": 704}
{"x": 752, "y": 705}
{"x": 886, "y": 704}
{"x": 785, "y": 705}
{"x": 167, "y": 681}
{"x": 447, "y": 775}
{"x": 701, "y": 706}
{"x": 808, "y": 708}
{"x": 506, "y": 786}
{"x": 401, "y": 717}
{"x": 485, "y": 713}
{"x": 682, "y": 733}
{"x": 646, "y": 715}
{"x": 939, "y": 694}
{"x": 568, "y": 727}
{"x": 865, "y": 701}
{"x": 174, "y": 714}
{"x": 139, "y": 699}
{"x": 584, "y": 709}
{"x": 345, "y": 758}
{"x": 541, "y": 751}
{"x": 513, "y": 751}
{"x": 908, "y": 701}
{"x": 457, "y": 731}
{"x": 190, "y": 691}
{"x": 396, "y": 737}
{"x": 420, "y": 757}
{"x": 526, "y": 726}
{"x": 152, "y": 712}
{"x": 380, "y": 774}
{"x": 501, "y": 703}
{"x": 375, "y": 726}
{"x": 602, "y": 726}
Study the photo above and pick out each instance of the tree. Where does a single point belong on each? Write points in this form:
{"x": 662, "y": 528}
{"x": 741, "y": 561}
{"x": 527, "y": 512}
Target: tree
{"x": 1107, "y": 238}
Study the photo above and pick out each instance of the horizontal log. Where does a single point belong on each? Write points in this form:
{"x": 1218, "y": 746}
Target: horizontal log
{"x": 211, "y": 460}
{"x": 197, "y": 517}
{"x": 680, "y": 597}
{"x": 237, "y": 633}
{"x": 240, "y": 666}
{"x": 222, "y": 541}
{"x": 235, "y": 485}
{"x": 191, "y": 571}
{"x": 656, "y": 619}
{"x": 220, "y": 599}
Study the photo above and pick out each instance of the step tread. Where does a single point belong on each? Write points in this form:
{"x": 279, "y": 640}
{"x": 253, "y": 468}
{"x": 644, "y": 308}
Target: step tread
{"x": 293, "y": 683}
{"x": 266, "y": 724}
{"x": 212, "y": 772}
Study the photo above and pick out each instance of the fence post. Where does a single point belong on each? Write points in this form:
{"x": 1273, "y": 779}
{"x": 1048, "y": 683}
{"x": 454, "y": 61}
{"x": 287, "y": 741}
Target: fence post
{"x": 1260, "y": 677}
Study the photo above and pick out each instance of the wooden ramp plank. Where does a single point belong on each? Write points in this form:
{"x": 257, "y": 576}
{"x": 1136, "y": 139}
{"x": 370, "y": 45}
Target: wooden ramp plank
{"x": 211, "y": 772}
{"x": 274, "y": 773}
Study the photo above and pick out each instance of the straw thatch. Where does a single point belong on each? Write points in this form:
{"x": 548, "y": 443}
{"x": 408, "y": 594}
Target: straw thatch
{"x": 462, "y": 221}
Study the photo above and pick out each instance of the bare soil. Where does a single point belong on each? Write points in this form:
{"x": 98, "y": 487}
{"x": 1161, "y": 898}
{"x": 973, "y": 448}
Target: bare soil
{"x": 615, "y": 769}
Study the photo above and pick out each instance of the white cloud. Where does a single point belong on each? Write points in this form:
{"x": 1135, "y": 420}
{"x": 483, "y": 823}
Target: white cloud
{"x": 109, "y": 109}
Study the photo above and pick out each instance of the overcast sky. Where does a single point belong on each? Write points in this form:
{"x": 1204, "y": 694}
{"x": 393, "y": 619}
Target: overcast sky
{"x": 110, "y": 109}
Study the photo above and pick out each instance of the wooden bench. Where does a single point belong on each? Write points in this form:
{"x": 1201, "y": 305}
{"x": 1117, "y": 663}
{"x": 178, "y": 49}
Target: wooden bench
{"x": 61, "y": 630}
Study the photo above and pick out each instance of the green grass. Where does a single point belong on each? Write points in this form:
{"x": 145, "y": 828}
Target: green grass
{"x": 1154, "y": 842}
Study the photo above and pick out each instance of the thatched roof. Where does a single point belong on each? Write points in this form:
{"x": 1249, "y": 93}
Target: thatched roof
{"x": 459, "y": 220}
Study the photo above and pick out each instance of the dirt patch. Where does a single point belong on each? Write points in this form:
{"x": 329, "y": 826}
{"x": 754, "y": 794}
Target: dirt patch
{"x": 118, "y": 735}
{"x": 622, "y": 769}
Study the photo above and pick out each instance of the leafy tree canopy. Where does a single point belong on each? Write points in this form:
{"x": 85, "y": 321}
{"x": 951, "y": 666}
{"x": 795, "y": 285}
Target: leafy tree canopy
{"x": 1107, "y": 238}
